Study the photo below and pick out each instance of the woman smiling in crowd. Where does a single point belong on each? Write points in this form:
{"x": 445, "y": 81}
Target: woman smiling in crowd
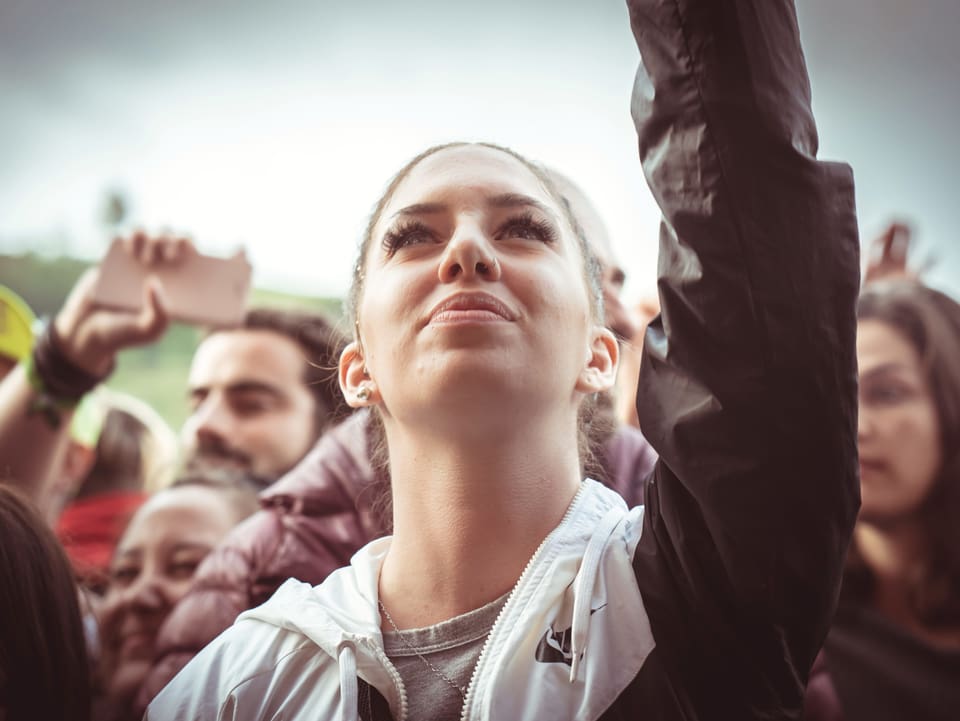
{"x": 152, "y": 568}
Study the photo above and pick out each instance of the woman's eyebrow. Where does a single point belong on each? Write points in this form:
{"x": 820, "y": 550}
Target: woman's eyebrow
{"x": 190, "y": 546}
{"x": 502, "y": 200}
{"x": 421, "y": 209}
{"x": 518, "y": 200}
{"x": 883, "y": 369}
{"x": 127, "y": 553}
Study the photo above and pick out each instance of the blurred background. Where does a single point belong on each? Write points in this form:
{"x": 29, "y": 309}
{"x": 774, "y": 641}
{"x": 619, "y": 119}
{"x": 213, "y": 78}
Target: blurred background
{"x": 276, "y": 126}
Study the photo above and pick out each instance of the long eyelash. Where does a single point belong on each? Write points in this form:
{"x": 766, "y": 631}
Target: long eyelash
{"x": 399, "y": 235}
{"x": 526, "y": 219}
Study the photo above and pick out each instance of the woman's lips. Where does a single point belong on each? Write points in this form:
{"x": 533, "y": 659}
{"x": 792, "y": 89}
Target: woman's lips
{"x": 466, "y": 315}
{"x": 870, "y": 465}
{"x": 470, "y": 308}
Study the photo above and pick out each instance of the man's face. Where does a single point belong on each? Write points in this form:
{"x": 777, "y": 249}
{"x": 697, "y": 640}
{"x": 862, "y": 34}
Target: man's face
{"x": 250, "y": 406}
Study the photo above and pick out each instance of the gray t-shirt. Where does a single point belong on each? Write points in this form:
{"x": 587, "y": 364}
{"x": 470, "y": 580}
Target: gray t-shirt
{"x": 452, "y": 648}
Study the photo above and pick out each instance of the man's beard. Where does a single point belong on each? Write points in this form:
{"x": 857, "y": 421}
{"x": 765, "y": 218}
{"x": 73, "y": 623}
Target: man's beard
{"x": 214, "y": 455}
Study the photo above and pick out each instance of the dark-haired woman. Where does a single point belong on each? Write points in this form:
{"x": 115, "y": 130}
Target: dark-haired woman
{"x": 512, "y": 588}
{"x": 894, "y": 650}
{"x": 44, "y": 672}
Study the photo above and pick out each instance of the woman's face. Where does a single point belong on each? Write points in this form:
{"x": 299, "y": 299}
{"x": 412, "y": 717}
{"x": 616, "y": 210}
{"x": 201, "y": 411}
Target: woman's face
{"x": 474, "y": 284}
{"x": 151, "y": 570}
{"x": 899, "y": 430}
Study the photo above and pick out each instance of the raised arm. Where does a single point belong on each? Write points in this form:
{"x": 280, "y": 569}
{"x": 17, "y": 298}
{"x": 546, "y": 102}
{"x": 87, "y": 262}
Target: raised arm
{"x": 72, "y": 356}
{"x": 748, "y": 381}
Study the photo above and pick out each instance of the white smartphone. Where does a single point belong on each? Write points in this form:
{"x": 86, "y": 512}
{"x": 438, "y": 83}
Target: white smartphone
{"x": 200, "y": 289}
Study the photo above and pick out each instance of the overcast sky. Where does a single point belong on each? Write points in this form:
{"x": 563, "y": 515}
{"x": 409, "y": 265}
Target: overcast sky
{"x": 276, "y": 126}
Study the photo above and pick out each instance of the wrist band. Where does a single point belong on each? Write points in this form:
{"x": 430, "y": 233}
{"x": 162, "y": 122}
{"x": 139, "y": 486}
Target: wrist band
{"x": 61, "y": 377}
{"x": 50, "y": 408}
{"x": 58, "y": 381}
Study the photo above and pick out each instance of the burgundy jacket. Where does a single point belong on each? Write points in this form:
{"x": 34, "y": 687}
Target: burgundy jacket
{"x": 313, "y": 520}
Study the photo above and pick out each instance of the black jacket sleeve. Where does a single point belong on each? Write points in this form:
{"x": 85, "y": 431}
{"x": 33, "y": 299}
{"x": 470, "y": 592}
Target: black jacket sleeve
{"x": 748, "y": 382}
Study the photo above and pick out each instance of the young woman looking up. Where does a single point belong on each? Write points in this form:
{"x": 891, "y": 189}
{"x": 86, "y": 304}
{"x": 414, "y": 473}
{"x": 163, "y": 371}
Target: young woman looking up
{"x": 512, "y": 589}
{"x": 493, "y": 279}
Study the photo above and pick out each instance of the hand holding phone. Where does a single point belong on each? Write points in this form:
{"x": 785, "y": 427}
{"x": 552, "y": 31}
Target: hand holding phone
{"x": 196, "y": 288}
{"x": 143, "y": 282}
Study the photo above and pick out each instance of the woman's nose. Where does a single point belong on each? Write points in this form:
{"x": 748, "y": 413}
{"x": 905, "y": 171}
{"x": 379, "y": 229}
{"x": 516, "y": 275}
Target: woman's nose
{"x": 145, "y": 592}
{"x": 142, "y": 596}
{"x": 469, "y": 253}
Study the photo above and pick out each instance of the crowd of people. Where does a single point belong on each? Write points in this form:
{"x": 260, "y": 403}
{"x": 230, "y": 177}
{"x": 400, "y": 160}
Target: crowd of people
{"x": 496, "y": 490}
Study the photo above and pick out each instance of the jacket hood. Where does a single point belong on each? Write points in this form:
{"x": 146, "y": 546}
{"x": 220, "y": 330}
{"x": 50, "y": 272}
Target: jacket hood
{"x": 347, "y": 599}
{"x": 342, "y": 618}
{"x": 563, "y": 586}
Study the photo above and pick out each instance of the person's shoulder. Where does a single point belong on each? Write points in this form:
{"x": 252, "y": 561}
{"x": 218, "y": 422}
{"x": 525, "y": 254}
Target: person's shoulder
{"x": 242, "y": 666}
{"x": 599, "y": 512}
{"x": 252, "y": 647}
{"x": 629, "y": 459}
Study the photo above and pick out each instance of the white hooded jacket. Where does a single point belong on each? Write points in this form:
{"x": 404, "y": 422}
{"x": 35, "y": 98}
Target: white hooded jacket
{"x": 571, "y": 636}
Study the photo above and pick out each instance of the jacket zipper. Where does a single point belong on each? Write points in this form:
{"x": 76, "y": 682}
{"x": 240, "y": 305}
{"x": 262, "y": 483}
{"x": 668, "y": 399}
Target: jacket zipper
{"x": 394, "y": 676}
{"x": 526, "y": 572}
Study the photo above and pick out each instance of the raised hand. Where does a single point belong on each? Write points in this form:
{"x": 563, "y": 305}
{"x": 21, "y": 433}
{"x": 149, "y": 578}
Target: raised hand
{"x": 887, "y": 256}
{"x": 91, "y": 336}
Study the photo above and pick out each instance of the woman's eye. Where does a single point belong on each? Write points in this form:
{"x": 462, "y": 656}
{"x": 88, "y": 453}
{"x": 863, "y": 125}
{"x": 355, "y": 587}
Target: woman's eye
{"x": 183, "y": 569}
{"x": 886, "y": 394}
{"x": 407, "y": 234}
{"x": 123, "y": 576}
{"x": 526, "y": 227}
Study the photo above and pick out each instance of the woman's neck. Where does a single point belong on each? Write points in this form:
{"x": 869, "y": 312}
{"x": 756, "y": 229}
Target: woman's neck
{"x": 896, "y": 554}
{"x": 468, "y": 516}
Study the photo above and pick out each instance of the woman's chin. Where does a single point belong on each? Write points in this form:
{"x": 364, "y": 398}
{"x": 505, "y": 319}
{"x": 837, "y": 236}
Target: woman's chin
{"x": 475, "y": 395}
{"x": 127, "y": 679}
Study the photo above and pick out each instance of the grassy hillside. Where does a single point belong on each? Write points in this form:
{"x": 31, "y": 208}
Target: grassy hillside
{"x": 156, "y": 373}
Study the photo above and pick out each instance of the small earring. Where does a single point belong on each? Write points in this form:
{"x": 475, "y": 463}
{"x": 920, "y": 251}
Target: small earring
{"x": 363, "y": 393}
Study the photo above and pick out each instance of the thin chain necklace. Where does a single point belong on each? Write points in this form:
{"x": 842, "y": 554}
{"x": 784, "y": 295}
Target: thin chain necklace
{"x": 436, "y": 671}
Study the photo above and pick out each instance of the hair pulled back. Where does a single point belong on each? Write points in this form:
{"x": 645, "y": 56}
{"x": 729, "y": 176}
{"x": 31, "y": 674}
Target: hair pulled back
{"x": 594, "y": 425}
{"x": 590, "y": 264}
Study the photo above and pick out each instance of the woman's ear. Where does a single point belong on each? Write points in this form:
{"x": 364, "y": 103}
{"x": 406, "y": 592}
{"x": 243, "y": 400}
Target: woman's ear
{"x": 600, "y": 371}
{"x": 359, "y": 389}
